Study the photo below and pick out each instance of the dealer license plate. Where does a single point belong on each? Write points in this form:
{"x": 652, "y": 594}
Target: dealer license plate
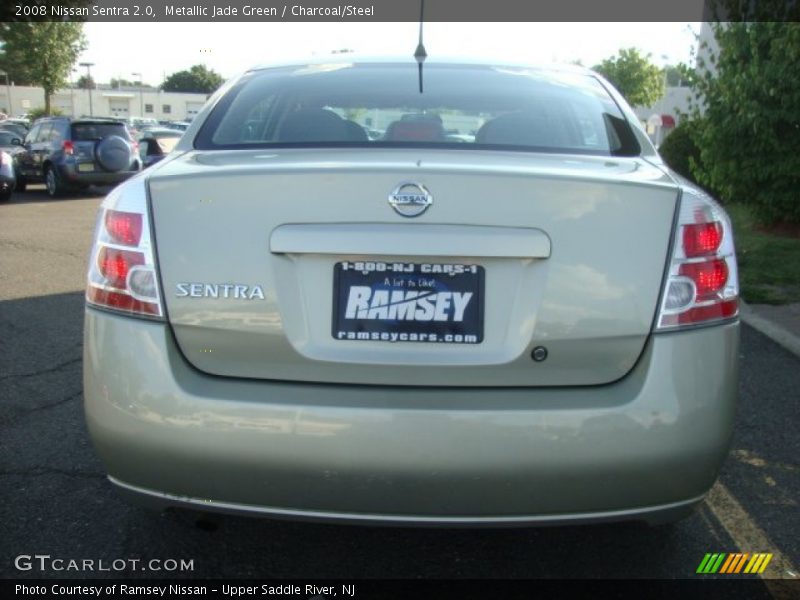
{"x": 408, "y": 302}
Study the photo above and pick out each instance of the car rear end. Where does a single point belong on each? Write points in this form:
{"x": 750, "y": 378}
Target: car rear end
{"x": 504, "y": 310}
{"x": 99, "y": 152}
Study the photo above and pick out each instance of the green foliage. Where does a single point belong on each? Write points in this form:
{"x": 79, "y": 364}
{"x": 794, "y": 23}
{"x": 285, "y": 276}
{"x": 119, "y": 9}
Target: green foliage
{"x": 679, "y": 150}
{"x": 118, "y": 83}
{"x": 199, "y": 79}
{"x": 769, "y": 264}
{"x": 680, "y": 75}
{"x": 86, "y": 83}
{"x": 39, "y": 112}
{"x": 636, "y": 78}
{"x": 750, "y": 96}
{"x": 41, "y": 53}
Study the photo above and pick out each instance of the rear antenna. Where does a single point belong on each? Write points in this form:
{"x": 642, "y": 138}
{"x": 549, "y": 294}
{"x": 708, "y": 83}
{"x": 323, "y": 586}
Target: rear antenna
{"x": 419, "y": 54}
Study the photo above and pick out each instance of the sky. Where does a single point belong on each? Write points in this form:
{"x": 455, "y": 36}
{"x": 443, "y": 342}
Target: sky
{"x": 159, "y": 49}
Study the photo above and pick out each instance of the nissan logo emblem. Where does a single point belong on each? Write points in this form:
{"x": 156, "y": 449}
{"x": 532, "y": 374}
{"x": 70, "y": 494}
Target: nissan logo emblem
{"x": 410, "y": 199}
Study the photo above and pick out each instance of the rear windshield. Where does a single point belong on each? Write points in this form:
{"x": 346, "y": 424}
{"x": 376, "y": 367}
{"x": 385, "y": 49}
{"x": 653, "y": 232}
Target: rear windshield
{"x": 460, "y": 106}
{"x": 7, "y": 136}
{"x": 86, "y": 132}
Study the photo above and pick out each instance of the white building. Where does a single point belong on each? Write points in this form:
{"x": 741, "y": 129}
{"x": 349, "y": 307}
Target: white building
{"x": 677, "y": 102}
{"x": 663, "y": 116}
{"x": 125, "y": 102}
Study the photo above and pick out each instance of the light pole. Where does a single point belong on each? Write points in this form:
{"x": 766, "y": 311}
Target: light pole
{"x": 8, "y": 94}
{"x": 89, "y": 83}
{"x": 660, "y": 134}
{"x": 141, "y": 94}
{"x": 72, "y": 90}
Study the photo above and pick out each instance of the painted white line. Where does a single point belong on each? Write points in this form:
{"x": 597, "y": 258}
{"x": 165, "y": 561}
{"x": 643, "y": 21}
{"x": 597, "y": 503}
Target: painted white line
{"x": 749, "y": 537}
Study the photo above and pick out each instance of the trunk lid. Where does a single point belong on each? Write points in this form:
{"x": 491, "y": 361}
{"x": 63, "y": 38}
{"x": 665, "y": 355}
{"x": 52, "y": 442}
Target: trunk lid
{"x": 572, "y": 252}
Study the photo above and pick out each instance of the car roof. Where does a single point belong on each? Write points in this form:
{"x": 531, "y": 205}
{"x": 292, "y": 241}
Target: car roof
{"x": 79, "y": 119}
{"x": 161, "y": 131}
{"x": 355, "y": 58}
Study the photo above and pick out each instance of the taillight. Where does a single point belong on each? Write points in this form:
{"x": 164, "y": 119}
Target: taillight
{"x": 701, "y": 239}
{"x": 68, "y": 147}
{"x": 702, "y": 283}
{"x": 124, "y": 227}
{"x": 122, "y": 269}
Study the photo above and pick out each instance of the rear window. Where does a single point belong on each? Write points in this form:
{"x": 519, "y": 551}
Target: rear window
{"x": 459, "y": 106}
{"x": 7, "y": 136}
{"x": 86, "y": 132}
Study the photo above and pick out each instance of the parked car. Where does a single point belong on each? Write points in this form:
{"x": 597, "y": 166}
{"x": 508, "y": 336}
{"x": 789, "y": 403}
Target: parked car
{"x": 16, "y": 121}
{"x": 8, "y": 178}
{"x": 537, "y": 326}
{"x": 177, "y": 125}
{"x": 10, "y": 148}
{"x": 68, "y": 154}
{"x": 156, "y": 143}
{"x": 10, "y": 142}
{"x": 17, "y": 128}
{"x": 136, "y": 125}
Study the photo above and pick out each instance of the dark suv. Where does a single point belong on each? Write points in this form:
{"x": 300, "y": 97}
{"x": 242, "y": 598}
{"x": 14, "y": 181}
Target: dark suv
{"x": 70, "y": 154}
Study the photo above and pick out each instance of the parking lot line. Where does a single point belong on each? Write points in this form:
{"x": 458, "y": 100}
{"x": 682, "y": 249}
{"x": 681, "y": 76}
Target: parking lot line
{"x": 750, "y": 538}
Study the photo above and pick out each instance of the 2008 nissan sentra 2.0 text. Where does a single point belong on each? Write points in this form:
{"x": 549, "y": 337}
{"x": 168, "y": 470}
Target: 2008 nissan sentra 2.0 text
{"x": 360, "y": 290}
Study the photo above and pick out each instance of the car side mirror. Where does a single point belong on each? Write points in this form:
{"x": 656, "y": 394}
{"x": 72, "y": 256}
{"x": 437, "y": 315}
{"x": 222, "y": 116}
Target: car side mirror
{"x": 16, "y": 142}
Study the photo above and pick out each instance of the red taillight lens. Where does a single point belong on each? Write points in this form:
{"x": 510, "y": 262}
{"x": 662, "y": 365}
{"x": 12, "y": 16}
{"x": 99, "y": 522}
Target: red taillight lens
{"x": 701, "y": 239}
{"x": 122, "y": 301}
{"x": 124, "y": 227}
{"x": 68, "y": 147}
{"x": 115, "y": 264}
{"x": 122, "y": 269}
{"x": 709, "y": 277}
{"x": 702, "y": 284}
{"x": 719, "y": 310}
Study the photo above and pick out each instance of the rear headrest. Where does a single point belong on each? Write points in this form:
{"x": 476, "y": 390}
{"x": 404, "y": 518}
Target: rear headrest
{"x": 415, "y": 130}
{"x": 313, "y": 125}
{"x": 519, "y": 129}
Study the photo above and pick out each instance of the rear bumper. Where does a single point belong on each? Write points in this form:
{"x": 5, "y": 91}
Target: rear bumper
{"x": 69, "y": 173}
{"x": 647, "y": 447}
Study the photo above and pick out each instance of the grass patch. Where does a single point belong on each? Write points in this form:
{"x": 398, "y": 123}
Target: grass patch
{"x": 769, "y": 264}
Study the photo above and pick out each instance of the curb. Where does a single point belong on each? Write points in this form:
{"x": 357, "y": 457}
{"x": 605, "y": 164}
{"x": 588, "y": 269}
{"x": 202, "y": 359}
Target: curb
{"x": 776, "y": 333}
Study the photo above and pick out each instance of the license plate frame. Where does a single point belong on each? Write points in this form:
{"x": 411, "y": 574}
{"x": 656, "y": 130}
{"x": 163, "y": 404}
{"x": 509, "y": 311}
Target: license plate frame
{"x": 430, "y": 291}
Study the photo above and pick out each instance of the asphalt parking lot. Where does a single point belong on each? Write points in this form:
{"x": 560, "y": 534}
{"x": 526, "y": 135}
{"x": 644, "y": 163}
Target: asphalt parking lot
{"x": 54, "y": 498}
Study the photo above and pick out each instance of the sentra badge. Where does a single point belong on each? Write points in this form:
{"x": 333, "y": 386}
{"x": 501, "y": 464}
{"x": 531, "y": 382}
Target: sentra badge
{"x": 237, "y": 291}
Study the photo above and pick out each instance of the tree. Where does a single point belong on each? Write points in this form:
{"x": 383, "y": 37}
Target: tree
{"x": 86, "y": 83}
{"x": 42, "y": 53}
{"x": 680, "y": 149}
{"x": 749, "y": 96}
{"x": 199, "y": 79}
{"x": 636, "y": 78}
{"x": 680, "y": 75}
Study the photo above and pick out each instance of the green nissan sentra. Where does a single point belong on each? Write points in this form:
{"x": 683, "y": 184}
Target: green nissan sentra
{"x": 462, "y": 293}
